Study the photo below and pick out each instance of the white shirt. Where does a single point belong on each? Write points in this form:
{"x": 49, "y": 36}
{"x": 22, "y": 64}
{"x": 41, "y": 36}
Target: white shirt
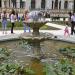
{"x": 12, "y": 18}
{"x": 73, "y": 18}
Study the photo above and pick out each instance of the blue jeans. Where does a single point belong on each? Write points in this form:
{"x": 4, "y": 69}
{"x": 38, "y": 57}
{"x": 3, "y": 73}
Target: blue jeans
{"x": 4, "y": 25}
{"x": 25, "y": 27}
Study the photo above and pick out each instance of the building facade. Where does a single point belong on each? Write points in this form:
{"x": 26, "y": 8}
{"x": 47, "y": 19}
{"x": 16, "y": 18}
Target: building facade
{"x": 55, "y": 7}
{"x": 49, "y": 4}
{"x": 37, "y": 4}
{"x": 12, "y": 3}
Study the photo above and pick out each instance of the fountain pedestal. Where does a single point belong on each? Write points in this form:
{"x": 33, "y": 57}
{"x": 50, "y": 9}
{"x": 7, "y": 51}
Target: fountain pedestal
{"x": 35, "y": 39}
{"x": 35, "y": 43}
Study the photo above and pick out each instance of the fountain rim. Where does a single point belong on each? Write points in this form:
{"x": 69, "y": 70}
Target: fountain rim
{"x": 18, "y": 38}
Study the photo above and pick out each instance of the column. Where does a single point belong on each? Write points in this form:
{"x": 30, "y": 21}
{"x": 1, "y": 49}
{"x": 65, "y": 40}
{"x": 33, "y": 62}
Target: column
{"x": 2, "y": 4}
{"x": 53, "y": 4}
{"x": 48, "y": 4}
{"x": 28, "y": 4}
{"x": 7, "y": 3}
{"x": 70, "y": 5}
{"x": 18, "y": 3}
{"x": 11, "y": 4}
{"x": 58, "y": 4}
{"x": 62, "y": 4}
{"x": 38, "y": 4}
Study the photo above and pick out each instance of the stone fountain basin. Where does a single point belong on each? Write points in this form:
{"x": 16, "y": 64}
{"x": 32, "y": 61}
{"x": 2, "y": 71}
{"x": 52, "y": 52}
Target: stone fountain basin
{"x": 35, "y": 24}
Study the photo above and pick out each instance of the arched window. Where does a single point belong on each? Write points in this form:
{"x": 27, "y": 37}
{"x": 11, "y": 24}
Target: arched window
{"x": 0, "y": 3}
{"x": 65, "y": 4}
{"x": 56, "y": 4}
{"x": 43, "y": 4}
{"x": 59, "y": 4}
{"x": 32, "y": 4}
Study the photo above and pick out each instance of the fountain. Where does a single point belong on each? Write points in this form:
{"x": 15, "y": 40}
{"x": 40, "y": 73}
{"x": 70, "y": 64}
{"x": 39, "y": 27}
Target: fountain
{"x": 28, "y": 54}
{"x": 35, "y": 22}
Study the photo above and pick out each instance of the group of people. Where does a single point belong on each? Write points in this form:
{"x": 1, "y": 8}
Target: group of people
{"x": 13, "y": 17}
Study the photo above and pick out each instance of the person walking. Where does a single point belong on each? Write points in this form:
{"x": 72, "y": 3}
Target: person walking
{"x": 73, "y": 24}
{"x": 4, "y": 22}
{"x": 12, "y": 19}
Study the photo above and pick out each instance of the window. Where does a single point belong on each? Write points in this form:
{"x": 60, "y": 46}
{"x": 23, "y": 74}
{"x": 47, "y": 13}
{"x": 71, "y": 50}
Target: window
{"x": 59, "y": 4}
{"x": 22, "y": 4}
{"x": 9, "y": 3}
{"x": 65, "y": 4}
{"x": 56, "y": 4}
{"x": 32, "y": 4}
{"x": 52, "y": 4}
{"x": 0, "y": 3}
{"x": 43, "y": 4}
{"x": 14, "y": 3}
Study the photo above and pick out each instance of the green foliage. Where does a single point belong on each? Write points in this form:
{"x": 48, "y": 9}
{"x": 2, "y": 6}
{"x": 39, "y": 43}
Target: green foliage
{"x": 4, "y": 53}
{"x": 61, "y": 67}
{"x": 19, "y": 25}
{"x": 9, "y": 67}
{"x": 29, "y": 71}
{"x": 15, "y": 69}
{"x": 48, "y": 69}
{"x": 68, "y": 51}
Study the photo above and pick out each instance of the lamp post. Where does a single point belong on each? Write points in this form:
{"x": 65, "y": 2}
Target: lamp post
{"x": 74, "y": 6}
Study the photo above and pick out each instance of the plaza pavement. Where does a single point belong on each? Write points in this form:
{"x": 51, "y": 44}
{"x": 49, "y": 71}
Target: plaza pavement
{"x": 59, "y": 33}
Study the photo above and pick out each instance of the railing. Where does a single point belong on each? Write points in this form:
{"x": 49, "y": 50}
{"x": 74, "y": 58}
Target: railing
{"x": 53, "y": 12}
{"x": 20, "y": 10}
{"x": 50, "y": 10}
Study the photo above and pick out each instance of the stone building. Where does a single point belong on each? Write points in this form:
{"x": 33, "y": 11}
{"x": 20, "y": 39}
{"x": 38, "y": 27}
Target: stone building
{"x": 12, "y": 3}
{"x": 37, "y": 4}
{"x": 49, "y": 4}
{"x": 55, "y": 7}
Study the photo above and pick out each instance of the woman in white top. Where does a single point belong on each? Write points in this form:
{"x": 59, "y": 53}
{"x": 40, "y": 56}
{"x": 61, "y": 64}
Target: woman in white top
{"x": 12, "y": 19}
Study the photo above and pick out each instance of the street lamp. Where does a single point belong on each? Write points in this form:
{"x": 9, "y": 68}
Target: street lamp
{"x": 74, "y": 6}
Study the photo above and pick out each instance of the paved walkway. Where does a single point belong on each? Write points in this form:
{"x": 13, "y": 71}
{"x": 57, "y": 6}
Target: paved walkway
{"x": 58, "y": 33}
